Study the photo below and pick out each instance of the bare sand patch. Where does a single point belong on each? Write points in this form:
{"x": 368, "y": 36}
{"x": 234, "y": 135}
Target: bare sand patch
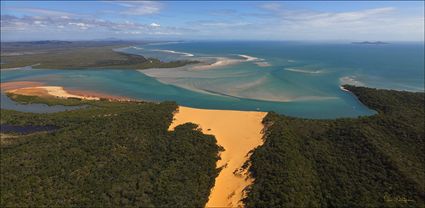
{"x": 44, "y": 91}
{"x": 238, "y": 132}
{"x": 18, "y": 84}
{"x": 6, "y": 139}
{"x": 37, "y": 89}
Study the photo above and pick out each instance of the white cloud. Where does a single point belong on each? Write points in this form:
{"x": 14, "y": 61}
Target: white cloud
{"x": 153, "y": 24}
{"x": 270, "y": 20}
{"x": 272, "y": 6}
{"x": 80, "y": 25}
{"x": 325, "y": 17}
{"x": 377, "y": 23}
{"x": 53, "y": 24}
{"x": 215, "y": 25}
{"x": 140, "y": 7}
{"x": 42, "y": 12}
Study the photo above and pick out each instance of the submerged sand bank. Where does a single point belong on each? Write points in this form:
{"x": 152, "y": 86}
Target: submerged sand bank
{"x": 238, "y": 132}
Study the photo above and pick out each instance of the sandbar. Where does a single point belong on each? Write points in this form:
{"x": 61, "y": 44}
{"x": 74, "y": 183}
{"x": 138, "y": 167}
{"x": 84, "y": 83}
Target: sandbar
{"x": 39, "y": 89}
{"x": 45, "y": 91}
{"x": 18, "y": 84}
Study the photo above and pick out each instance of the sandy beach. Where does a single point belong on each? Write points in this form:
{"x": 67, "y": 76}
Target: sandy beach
{"x": 237, "y": 132}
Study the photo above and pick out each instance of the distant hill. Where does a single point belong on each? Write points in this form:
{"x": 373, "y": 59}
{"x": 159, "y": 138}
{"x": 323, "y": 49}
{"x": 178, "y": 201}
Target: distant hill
{"x": 370, "y": 43}
{"x": 49, "y": 45}
{"x": 108, "y": 39}
{"x": 42, "y": 42}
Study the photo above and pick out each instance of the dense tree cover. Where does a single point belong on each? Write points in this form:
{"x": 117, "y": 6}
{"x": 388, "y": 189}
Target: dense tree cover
{"x": 365, "y": 162}
{"x": 112, "y": 154}
{"x": 48, "y": 100}
{"x": 132, "y": 61}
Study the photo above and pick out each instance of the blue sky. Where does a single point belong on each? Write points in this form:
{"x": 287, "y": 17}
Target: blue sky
{"x": 193, "y": 20}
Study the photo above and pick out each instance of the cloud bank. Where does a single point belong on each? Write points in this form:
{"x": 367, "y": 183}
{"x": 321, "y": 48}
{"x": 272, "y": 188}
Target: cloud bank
{"x": 270, "y": 21}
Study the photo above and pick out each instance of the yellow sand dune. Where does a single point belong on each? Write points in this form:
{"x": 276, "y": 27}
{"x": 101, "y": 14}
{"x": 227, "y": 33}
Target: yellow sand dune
{"x": 237, "y": 132}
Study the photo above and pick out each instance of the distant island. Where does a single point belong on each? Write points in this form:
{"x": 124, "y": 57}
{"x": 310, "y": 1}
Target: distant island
{"x": 370, "y": 43}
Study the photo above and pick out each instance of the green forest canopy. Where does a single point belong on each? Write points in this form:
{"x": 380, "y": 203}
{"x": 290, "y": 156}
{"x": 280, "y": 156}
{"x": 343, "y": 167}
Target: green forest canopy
{"x": 121, "y": 154}
{"x": 366, "y": 162}
{"x": 111, "y": 155}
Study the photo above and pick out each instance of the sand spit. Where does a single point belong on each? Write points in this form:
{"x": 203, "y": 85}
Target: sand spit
{"x": 237, "y": 132}
{"x": 343, "y": 89}
{"x": 249, "y": 58}
{"x": 174, "y": 52}
{"x": 37, "y": 89}
{"x": 43, "y": 91}
{"x": 5, "y": 86}
{"x": 220, "y": 62}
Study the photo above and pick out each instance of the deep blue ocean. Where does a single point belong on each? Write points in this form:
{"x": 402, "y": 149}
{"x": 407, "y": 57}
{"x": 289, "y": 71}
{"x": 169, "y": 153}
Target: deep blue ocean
{"x": 293, "y": 78}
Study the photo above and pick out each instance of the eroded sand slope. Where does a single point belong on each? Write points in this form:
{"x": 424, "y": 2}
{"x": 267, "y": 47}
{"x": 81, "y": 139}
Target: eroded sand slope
{"x": 237, "y": 132}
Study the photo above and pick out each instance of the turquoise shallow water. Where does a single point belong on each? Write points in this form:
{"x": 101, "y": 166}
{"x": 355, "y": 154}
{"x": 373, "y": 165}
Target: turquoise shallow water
{"x": 296, "y": 79}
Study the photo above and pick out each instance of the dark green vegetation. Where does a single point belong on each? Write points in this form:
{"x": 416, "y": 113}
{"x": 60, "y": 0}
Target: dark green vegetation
{"x": 121, "y": 154}
{"x": 25, "y": 99}
{"x": 370, "y": 43}
{"x": 112, "y": 154}
{"x": 74, "y": 55}
{"x": 376, "y": 161}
